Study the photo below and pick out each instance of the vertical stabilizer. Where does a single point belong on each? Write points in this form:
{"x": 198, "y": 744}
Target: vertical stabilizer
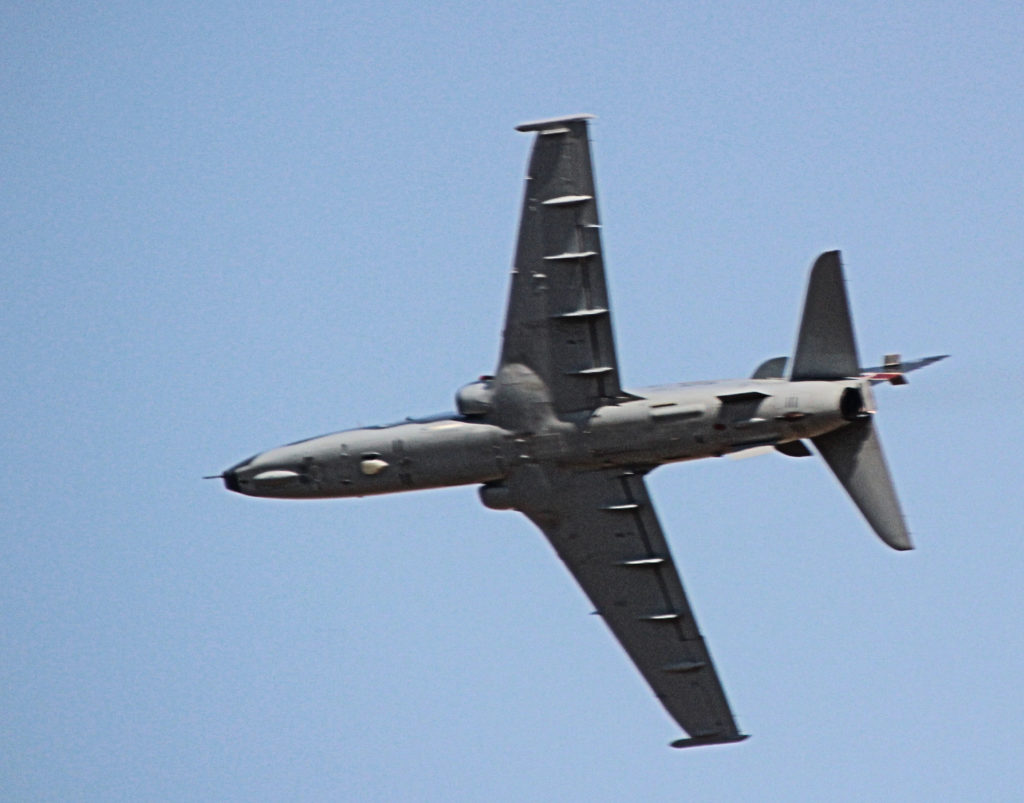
{"x": 825, "y": 347}
{"x": 855, "y": 456}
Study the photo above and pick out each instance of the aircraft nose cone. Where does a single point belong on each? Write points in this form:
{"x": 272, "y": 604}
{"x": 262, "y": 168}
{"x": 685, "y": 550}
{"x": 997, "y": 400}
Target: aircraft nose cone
{"x": 231, "y": 480}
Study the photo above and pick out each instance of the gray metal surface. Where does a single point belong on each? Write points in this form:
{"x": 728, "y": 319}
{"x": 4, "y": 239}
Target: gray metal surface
{"x": 554, "y": 435}
{"x": 854, "y": 454}
{"x": 775, "y": 368}
{"x": 825, "y": 347}
{"x": 605, "y": 530}
{"x": 558, "y": 322}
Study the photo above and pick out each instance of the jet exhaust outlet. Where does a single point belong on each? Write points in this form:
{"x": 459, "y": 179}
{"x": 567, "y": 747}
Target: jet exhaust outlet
{"x": 851, "y": 405}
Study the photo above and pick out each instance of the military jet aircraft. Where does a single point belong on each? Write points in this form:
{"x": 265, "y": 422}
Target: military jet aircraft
{"x": 554, "y": 435}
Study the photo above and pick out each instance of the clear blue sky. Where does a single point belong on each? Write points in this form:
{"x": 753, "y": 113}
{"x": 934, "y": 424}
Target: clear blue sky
{"x": 231, "y": 225}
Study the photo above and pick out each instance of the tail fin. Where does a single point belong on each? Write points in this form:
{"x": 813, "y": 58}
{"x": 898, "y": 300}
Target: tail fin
{"x": 825, "y": 347}
{"x": 855, "y": 456}
{"x": 826, "y": 350}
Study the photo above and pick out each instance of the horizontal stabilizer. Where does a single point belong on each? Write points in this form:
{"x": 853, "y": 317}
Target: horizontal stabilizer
{"x": 855, "y": 456}
{"x": 825, "y": 347}
{"x": 775, "y": 368}
{"x": 894, "y": 371}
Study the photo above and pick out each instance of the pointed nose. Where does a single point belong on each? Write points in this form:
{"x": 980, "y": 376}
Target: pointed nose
{"x": 231, "y": 480}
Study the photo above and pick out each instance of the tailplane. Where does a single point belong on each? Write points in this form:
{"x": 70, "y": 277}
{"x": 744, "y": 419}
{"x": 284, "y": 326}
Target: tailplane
{"x": 894, "y": 370}
{"x": 855, "y": 456}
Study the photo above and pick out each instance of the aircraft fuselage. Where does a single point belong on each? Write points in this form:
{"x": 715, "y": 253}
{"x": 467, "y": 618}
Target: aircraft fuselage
{"x": 662, "y": 424}
{"x": 555, "y": 436}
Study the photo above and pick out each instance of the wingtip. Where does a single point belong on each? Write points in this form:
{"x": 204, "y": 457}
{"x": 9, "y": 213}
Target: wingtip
{"x": 701, "y": 741}
{"x": 540, "y": 125}
{"x": 828, "y": 261}
{"x": 898, "y": 539}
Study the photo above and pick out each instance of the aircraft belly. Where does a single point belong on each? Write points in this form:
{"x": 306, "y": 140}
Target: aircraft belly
{"x": 453, "y": 455}
{"x": 378, "y": 460}
{"x": 642, "y": 433}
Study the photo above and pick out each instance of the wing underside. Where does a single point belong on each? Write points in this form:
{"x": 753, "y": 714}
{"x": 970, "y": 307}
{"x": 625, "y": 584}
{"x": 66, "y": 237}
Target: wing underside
{"x": 558, "y": 322}
{"x": 604, "y": 528}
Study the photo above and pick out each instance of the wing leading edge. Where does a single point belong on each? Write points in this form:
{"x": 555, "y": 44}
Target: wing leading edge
{"x": 558, "y": 322}
{"x": 604, "y": 528}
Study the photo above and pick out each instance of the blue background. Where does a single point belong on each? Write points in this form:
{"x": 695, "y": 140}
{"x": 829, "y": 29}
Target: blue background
{"x": 232, "y": 225}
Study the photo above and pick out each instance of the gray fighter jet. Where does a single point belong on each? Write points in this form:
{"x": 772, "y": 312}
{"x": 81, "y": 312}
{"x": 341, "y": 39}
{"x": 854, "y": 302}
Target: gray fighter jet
{"x": 554, "y": 435}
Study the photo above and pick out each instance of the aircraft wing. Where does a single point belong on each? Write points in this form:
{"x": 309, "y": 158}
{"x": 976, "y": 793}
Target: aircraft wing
{"x": 558, "y": 323}
{"x": 603, "y": 526}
